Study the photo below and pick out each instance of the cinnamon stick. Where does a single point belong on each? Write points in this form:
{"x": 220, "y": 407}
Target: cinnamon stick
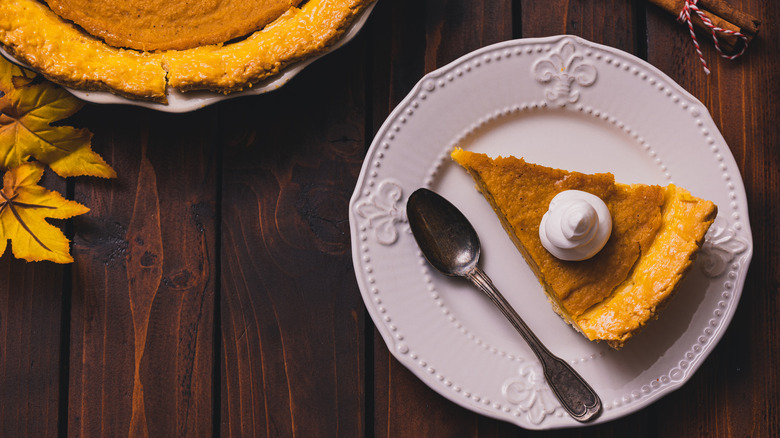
{"x": 722, "y": 15}
{"x": 747, "y": 24}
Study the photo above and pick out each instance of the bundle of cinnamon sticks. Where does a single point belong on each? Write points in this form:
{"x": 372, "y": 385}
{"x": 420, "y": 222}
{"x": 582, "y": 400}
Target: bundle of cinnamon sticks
{"x": 723, "y": 15}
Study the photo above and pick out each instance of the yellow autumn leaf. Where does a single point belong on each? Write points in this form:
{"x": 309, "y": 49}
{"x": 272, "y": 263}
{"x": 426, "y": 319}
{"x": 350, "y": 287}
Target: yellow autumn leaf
{"x": 24, "y": 207}
{"x": 28, "y": 106}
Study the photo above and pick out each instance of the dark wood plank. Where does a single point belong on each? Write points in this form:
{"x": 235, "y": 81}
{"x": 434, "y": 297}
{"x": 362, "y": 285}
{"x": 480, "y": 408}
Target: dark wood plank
{"x": 32, "y": 299}
{"x": 421, "y": 38}
{"x": 454, "y": 28}
{"x": 736, "y": 389}
{"x": 143, "y": 296}
{"x": 607, "y": 22}
{"x": 31, "y": 296}
{"x": 292, "y": 316}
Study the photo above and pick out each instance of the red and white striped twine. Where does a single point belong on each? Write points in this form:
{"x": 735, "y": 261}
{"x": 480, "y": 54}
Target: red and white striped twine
{"x": 685, "y": 17}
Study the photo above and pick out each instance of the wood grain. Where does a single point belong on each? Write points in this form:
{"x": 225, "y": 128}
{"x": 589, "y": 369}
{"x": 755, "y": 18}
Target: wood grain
{"x": 143, "y": 295}
{"x": 612, "y": 22}
{"x": 32, "y": 299}
{"x": 292, "y": 317}
{"x": 30, "y": 322}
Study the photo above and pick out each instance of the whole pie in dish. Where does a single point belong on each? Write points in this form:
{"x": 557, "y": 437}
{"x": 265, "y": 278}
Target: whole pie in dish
{"x": 164, "y": 24}
{"x": 138, "y": 48}
{"x": 656, "y": 235}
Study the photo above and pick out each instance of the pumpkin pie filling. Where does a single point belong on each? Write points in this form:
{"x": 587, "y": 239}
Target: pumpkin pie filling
{"x": 67, "y": 53}
{"x": 656, "y": 234}
{"x": 164, "y": 24}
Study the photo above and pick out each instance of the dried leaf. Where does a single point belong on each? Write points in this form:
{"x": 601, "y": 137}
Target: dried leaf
{"x": 24, "y": 207}
{"x": 27, "y": 109}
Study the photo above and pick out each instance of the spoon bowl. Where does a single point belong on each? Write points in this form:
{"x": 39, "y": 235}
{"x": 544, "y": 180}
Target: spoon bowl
{"x": 451, "y": 243}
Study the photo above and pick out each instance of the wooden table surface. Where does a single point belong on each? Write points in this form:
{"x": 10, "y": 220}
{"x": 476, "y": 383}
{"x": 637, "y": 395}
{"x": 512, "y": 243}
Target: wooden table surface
{"x": 213, "y": 292}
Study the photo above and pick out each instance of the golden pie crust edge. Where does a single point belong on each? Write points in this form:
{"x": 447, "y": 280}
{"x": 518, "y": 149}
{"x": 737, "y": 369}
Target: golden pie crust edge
{"x": 655, "y": 277}
{"x": 35, "y": 35}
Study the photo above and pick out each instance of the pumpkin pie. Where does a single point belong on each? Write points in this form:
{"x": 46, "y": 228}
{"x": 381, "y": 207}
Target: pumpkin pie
{"x": 223, "y": 46}
{"x": 656, "y": 235}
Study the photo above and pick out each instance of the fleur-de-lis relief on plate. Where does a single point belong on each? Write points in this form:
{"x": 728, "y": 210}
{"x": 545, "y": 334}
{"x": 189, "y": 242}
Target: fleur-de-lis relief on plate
{"x": 564, "y": 70}
{"x": 382, "y": 211}
{"x": 530, "y": 393}
{"x": 721, "y": 246}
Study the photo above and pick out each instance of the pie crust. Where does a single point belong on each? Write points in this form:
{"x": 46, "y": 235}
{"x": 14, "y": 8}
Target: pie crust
{"x": 67, "y": 55}
{"x": 656, "y": 234}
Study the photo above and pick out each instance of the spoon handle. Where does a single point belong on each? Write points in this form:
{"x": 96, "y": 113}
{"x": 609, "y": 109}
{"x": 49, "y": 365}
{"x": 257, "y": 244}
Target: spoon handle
{"x": 576, "y": 396}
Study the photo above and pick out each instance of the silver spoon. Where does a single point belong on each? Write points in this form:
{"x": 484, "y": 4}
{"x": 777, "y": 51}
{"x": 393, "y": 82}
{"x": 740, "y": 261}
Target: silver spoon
{"x": 451, "y": 245}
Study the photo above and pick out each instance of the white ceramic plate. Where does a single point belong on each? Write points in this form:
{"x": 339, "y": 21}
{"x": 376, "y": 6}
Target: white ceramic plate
{"x": 181, "y": 102}
{"x": 562, "y": 102}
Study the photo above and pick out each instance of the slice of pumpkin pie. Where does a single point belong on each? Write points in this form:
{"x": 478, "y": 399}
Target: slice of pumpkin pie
{"x": 655, "y": 235}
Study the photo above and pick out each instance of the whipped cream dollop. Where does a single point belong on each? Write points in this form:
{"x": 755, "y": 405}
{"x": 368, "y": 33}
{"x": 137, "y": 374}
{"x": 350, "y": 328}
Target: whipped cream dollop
{"x": 576, "y": 226}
